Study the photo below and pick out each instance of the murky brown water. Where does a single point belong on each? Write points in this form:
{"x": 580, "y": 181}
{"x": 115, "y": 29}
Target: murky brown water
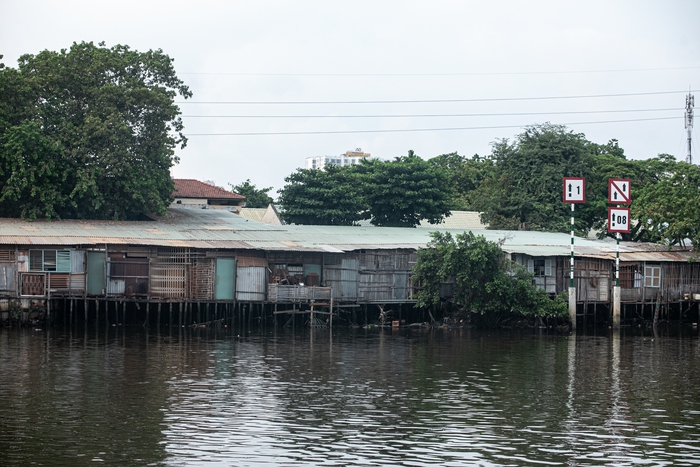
{"x": 350, "y": 397}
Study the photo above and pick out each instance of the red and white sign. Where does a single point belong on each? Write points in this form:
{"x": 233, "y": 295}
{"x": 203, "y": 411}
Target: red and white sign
{"x": 619, "y": 191}
{"x": 619, "y": 220}
{"x": 574, "y": 190}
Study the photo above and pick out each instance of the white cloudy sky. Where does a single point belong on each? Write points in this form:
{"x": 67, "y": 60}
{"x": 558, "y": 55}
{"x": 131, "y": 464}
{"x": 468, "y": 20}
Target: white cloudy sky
{"x": 318, "y": 69}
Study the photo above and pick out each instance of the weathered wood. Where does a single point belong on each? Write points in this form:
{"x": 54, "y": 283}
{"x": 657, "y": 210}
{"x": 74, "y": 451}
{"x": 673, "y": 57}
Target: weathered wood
{"x": 656, "y": 308}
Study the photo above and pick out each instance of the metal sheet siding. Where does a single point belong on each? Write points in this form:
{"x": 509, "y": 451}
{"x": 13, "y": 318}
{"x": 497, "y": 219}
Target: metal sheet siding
{"x": 251, "y": 283}
{"x": 77, "y": 261}
{"x": 8, "y": 275}
{"x": 342, "y": 278}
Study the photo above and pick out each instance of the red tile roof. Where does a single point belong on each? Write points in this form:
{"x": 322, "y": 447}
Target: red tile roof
{"x": 190, "y": 188}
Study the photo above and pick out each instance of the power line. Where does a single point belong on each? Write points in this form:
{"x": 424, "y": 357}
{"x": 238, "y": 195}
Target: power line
{"x": 513, "y": 114}
{"x": 473, "y": 73}
{"x": 429, "y": 101}
{"x": 407, "y": 130}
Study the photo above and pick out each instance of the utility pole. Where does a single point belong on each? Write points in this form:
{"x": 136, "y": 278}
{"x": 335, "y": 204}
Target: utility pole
{"x": 689, "y": 104}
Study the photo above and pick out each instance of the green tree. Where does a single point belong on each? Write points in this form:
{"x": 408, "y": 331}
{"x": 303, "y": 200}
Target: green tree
{"x": 402, "y": 192}
{"x": 89, "y": 132}
{"x": 485, "y": 282}
{"x": 525, "y": 188}
{"x": 465, "y": 175}
{"x": 333, "y": 196}
{"x": 668, "y": 208}
{"x": 254, "y": 197}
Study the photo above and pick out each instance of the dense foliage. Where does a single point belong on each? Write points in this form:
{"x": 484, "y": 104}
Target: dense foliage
{"x": 519, "y": 186}
{"x": 398, "y": 193}
{"x": 668, "y": 209}
{"x": 254, "y": 197}
{"x": 89, "y": 132}
{"x": 484, "y": 281}
{"x": 524, "y": 189}
{"x": 402, "y": 192}
{"x": 323, "y": 197}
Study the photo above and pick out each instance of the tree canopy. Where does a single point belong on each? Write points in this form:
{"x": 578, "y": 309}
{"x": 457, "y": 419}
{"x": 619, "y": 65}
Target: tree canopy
{"x": 668, "y": 209}
{"x": 89, "y": 132}
{"x": 524, "y": 190}
{"x": 254, "y": 197}
{"x": 484, "y": 280}
{"x": 332, "y": 196}
{"x": 402, "y": 192}
{"x": 397, "y": 193}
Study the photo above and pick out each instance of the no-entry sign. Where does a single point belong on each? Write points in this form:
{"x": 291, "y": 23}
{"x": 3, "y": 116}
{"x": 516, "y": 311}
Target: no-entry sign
{"x": 619, "y": 191}
{"x": 574, "y": 190}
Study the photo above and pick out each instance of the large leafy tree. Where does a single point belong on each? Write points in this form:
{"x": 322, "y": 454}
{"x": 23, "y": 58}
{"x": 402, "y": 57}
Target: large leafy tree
{"x": 398, "y": 193}
{"x": 89, "y": 132}
{"x": 525, "y": 189}
{"x": 484, "y": 281}
{"x": 332, "y": 196}
{"x": 667, "y": 207}
{"x": 254, "y": 197}
{"x": 402, "y": 192}
{"x": 465, "y": 175}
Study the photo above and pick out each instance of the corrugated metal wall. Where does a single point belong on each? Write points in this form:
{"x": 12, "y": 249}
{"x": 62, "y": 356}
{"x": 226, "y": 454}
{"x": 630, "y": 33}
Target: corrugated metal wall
{"x": 341, "y": 274}
{"x": 251, "y": 283}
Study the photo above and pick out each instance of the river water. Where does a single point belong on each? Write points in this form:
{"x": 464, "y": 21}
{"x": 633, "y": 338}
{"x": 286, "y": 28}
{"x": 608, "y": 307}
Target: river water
{"x": 348, "y": 397}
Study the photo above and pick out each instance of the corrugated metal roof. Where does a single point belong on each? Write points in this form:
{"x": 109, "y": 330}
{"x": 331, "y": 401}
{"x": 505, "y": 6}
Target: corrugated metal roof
{"x": 217, "y": 229}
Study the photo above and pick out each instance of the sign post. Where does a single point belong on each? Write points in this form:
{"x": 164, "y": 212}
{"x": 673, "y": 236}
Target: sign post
{"x": 619, "y": 192}
{"x": 574, "y": 192}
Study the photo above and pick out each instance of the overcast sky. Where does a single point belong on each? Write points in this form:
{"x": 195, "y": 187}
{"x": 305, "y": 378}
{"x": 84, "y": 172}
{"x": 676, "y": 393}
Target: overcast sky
{"x": 319, "y": 69}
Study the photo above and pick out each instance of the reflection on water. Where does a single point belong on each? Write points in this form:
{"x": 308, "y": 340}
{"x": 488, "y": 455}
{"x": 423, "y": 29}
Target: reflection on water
{"x": 347, "y": 397}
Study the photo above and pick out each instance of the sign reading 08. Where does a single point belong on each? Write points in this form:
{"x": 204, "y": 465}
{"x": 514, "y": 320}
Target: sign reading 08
{"x": 619, "y": 220}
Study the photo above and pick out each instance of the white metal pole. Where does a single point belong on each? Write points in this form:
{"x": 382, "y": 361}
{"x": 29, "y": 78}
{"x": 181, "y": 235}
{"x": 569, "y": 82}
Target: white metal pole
{"x": 572, "y": 287}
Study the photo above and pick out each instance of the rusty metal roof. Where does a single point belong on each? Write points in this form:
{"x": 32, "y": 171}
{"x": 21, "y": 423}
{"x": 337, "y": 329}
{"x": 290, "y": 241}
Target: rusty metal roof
{"x": 217, "y": 229}
{"x": 191, "y": 188}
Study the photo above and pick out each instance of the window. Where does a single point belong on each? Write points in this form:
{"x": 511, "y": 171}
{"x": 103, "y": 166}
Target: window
{"x": 631, "y": 276}
{"x": 652, "y": 276}
{"x": 49, "y": 260}
{"x": 540, "y": 266}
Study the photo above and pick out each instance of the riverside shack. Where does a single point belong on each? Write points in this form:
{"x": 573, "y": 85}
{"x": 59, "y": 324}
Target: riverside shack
{"x": 216, "y": 260}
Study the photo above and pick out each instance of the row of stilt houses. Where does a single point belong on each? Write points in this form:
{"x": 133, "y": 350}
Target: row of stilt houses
{"x": 199, "y": 265}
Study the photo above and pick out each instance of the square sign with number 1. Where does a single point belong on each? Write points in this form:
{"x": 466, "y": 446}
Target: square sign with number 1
{"x": 574, "y": 190}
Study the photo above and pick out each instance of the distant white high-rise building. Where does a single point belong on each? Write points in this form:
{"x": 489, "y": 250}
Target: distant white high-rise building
{"x": 349, "y": 158}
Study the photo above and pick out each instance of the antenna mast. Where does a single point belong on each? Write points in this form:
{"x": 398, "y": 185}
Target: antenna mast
{"x": 689, "y": 104}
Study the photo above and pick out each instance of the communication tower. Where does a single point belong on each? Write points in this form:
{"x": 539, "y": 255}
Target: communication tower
{"x": 689, "y": 104}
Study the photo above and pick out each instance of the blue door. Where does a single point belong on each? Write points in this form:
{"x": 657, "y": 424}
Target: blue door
{"x": 225, "y": 278}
